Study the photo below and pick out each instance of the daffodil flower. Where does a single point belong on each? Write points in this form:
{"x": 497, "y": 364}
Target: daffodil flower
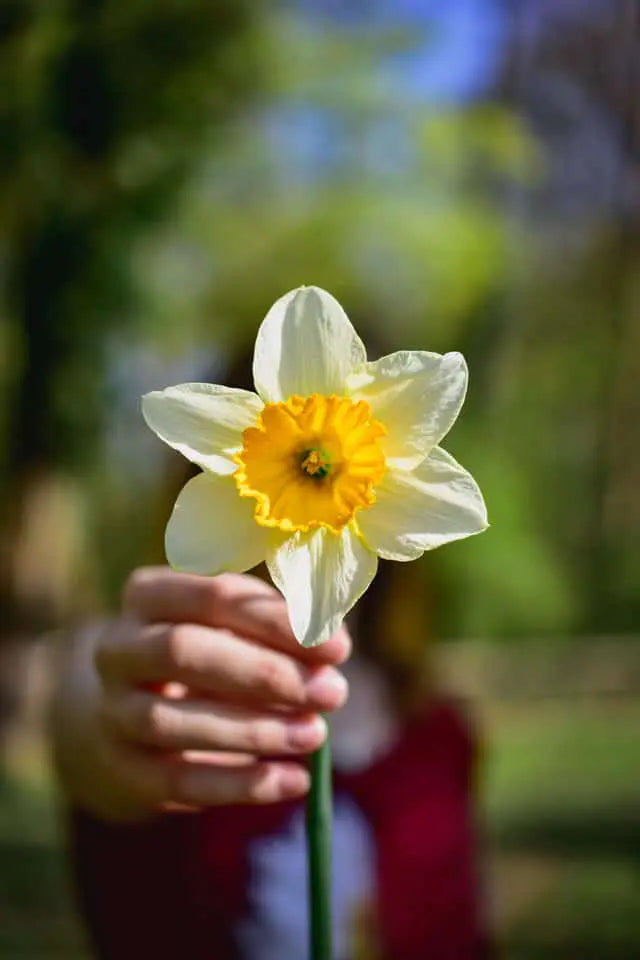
{"x": 332, "y": 463}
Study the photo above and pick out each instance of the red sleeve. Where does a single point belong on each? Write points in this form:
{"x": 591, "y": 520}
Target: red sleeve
{"x": 420, "y": 800}
{"x": 141, "y": 892}
{"x": 170, "y": 888}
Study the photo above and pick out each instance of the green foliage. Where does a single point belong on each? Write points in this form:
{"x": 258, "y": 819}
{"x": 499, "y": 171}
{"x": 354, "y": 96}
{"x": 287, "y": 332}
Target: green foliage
{"x": 512, "y": 574}
{"x": 104, "y": 109}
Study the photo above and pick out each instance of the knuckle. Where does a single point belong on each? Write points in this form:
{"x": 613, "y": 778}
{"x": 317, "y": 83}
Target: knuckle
{"x": 184, "y": 785}
{"x": 175, "y": 646}
{"x": 223, "y": 586}
{"x": 275, "y": 619}
{"x": 137, "y": 581}
{"x": 214, "y": 593}
{"x": 106, "y": 651}
{"x": 273, "y": 678}
{"x": 114, "y": 715}
{"x": 259, "y": 786}
{"x": 262, "y": 738}
{"x": 157, "y": 724}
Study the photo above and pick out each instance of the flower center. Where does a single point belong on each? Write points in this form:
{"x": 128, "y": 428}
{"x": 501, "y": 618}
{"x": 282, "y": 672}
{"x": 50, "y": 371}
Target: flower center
{"x": 311, "y": 462}
{"x": 315, "y": 463}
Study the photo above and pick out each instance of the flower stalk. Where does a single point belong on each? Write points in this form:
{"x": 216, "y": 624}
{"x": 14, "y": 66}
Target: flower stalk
{"x": 319, "y": 806}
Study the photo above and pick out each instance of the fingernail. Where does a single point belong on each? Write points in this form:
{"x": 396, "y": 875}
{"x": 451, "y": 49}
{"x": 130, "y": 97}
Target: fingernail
{"x": 327, "y": 688}
{"x": 293, "y": 782}
{"x": 306, "y": 734}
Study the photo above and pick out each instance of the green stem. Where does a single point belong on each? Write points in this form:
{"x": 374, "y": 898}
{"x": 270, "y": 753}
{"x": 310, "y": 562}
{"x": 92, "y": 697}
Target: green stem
{"x": 319, "y": 854}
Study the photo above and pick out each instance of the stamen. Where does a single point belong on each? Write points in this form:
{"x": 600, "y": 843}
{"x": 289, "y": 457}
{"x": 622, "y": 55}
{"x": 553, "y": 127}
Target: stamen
{"x": 315, "y": 463}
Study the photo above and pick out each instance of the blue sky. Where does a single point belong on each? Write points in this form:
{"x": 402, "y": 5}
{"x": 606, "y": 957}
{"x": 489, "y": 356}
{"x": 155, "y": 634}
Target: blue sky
{"x": 457, "y": 47}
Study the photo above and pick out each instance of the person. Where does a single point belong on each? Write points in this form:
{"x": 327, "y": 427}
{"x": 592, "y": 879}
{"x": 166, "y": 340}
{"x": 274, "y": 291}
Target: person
{"x": 180, "y": 733}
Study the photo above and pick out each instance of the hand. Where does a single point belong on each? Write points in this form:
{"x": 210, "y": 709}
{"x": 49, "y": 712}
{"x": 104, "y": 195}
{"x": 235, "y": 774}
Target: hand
{"x": 200, "y": 686}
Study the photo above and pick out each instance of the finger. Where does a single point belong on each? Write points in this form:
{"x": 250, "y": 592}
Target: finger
{"x": 178, "y": 725}
{"x": 201, "y": 785}
{"x": 243, "y": 604}
{"x": 155, "y": 782}
{"x": 218, "y": 664}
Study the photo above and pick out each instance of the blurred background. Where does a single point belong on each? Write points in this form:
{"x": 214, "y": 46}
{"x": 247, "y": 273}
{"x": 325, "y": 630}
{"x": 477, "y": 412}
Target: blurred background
{"x": 462, "y": 176}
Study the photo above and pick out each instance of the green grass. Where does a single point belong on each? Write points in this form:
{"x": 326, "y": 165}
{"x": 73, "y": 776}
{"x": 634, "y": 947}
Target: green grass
{"x": 562, "y": 756}
{"x": 37, "y": 920}
{"x": 563, "y": 815}
{"x": 591, "y": 913}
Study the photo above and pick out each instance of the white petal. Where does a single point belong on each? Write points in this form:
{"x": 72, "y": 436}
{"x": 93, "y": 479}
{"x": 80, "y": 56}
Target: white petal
{"x": 203, "y": 421}
{"x": 306, "y": 344}
{"x": 212, "y": 530}
{"x": 415, "y": 511}
{"x": 416, "y": 395}
{"x": 321, "y": 575}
